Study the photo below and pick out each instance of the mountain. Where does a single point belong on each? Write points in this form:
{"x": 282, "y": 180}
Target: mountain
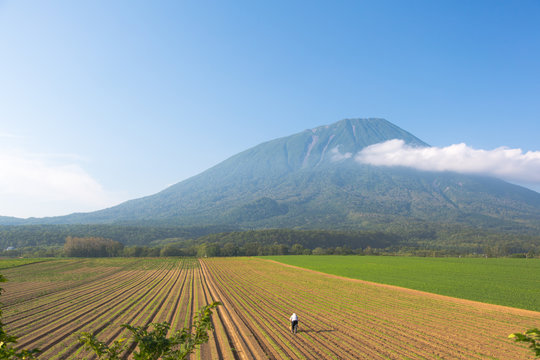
{"x": 311, "y": 180}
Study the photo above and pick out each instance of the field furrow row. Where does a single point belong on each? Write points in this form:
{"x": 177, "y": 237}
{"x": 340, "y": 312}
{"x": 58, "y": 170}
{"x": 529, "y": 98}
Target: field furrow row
{"x": 364, "y": 320}
{"x": 50, "y": 303}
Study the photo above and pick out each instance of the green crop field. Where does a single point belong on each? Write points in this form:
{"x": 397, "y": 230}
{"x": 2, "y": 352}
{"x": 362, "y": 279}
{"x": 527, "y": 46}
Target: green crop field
{"x": 502, "y": 281}
{"x": 9, "y": 263}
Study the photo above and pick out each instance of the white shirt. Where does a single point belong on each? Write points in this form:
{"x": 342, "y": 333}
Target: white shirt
{"x": 294, "y": 317}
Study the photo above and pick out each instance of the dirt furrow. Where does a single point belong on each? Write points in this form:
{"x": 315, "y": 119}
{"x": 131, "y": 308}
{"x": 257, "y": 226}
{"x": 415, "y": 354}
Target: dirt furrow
{"x": 134, "y": 308}
{"x": 74, "y": 297}
{"x": 72, "y": 310}
{"x": 224, "y": 342}
{"x": 246, "y": 344}
{"x": 275, "y": 334}
{"x": 83, "y": 317}
{"x": 339, "y": 318}
{"x": 379, "y": 321}
{"x": 334, "y": 346}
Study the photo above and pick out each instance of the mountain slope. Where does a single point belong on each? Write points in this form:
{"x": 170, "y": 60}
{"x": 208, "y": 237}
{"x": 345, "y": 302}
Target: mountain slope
{"x": 311, "y": 180}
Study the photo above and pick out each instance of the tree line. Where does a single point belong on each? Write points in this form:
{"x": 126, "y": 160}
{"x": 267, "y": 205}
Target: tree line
{"x": 92, "y": 247}
{"x": 229, "y": 246}
{"x": 55, "y": 235}
{"x": 275, "y": 242}
{"x": 152, "y": 240}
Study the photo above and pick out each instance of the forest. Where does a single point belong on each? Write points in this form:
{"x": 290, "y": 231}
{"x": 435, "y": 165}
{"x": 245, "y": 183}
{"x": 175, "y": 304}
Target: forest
{"x": 154, "y": 241}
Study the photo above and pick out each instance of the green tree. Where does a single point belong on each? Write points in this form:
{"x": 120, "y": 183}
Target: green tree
{"x": 229, "y": 249}
{"x": 297, "y": 249}
{"x": 92, "y": 247}
{"x": 7, "y": 351}
{"x": 170, "y": 250}
{"x": 208, "y": 250}
{"x": 368, "y": 250}
{"x": 250, "y": 249}
{"x": 134, "y": 251}
{"x": 531, "y": 336}
{"x": 154, "y": 344}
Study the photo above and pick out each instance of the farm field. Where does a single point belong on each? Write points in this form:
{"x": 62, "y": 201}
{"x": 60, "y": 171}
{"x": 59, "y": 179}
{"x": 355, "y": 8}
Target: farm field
{"x": 501, "y": 281}
{"x": 47, "y": 303}
{"x": 9, "y": 263}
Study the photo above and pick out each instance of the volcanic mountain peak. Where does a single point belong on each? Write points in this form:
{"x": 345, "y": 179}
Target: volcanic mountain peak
{"x": 310, "y": 180}
{"x": 320, "y": 145}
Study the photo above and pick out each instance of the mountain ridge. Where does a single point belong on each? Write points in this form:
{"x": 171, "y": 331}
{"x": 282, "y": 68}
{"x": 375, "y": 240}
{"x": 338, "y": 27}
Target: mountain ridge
{"x": 311, "y": 180}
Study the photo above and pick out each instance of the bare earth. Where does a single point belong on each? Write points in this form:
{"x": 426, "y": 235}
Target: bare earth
{"x": 340, "y": 318}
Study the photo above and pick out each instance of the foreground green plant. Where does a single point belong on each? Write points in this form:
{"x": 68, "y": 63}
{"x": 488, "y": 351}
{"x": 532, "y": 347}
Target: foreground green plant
{"x": 531, "y": 336}
{"x": 101, "y": 349}
{"x": 7, "y": 351}
{"x": 155, "y": 344}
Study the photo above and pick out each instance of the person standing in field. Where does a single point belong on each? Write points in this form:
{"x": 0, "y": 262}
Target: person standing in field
{"x": 294, "y": 322}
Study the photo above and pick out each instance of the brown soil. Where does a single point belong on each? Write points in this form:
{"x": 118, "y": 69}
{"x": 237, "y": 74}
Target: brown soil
{"x": 340, "y": 318}
{"x": 351, "y": 319}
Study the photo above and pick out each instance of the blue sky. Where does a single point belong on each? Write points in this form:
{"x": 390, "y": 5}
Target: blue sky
{"x": 106, "y": 101}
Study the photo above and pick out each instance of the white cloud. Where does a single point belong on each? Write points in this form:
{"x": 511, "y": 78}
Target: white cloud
{"x": 509, "y": 164}
{"x": 39, "y": 185}
{"x": 336, "y": 155}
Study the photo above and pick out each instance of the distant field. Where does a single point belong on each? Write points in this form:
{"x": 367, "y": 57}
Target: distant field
{"x": 9, "y": 263}
{"x": 509, "y": 282}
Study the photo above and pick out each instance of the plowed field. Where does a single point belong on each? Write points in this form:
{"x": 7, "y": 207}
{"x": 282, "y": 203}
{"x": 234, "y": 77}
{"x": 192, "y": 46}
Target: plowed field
{"x": 47, "y": 304}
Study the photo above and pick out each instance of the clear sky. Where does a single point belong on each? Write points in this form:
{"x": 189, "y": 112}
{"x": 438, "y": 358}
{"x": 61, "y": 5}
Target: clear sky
{"x": 105, "y": 101}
